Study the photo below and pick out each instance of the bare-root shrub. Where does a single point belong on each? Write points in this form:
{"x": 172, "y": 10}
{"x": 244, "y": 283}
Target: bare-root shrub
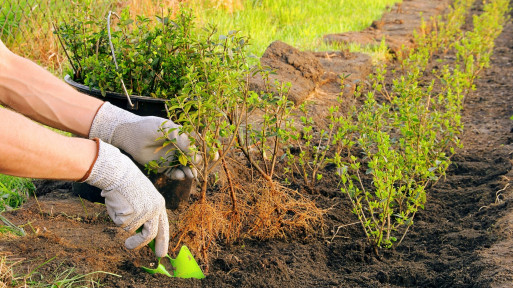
{"x": 408, "y": 139}
{"x": 262, "y": 210}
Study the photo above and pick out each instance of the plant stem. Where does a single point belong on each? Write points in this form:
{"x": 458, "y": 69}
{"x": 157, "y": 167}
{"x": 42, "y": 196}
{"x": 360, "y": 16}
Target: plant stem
{"x": 230, "y": 183}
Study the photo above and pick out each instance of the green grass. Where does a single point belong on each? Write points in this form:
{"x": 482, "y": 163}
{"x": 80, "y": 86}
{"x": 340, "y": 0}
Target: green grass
{"x": 9, "y": 17}
{"x": 14, "y": 191}
{"x": 300, "y": 23}
{"x": 26, "y": 26}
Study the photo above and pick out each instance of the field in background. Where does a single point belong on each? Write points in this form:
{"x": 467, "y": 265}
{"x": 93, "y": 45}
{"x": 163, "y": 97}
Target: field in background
{"x": 26, "y": 25}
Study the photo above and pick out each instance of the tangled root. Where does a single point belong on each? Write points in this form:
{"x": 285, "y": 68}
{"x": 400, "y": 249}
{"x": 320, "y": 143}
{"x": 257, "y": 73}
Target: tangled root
{"x": 279, "y": 211}
{"x": 200, "y": 228}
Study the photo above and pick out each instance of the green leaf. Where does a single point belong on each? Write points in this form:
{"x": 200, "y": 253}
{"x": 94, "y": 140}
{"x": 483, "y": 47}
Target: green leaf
{"x": 182, "y": 159}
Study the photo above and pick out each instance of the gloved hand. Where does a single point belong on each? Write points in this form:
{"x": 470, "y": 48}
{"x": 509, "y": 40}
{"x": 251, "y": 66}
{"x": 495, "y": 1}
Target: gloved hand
{"x": 137, "y": 136}
{"x": 131, "y": 199}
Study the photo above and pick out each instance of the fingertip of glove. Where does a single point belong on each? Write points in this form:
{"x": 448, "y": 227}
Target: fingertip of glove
{"x": 135, "y": 243}
{"x": 162, "y": 239}
{"x": 216, "y": 156}
{"x": 176, "y": 174}
{"x": 161, "y": 251}
{"x": 138, "y": 241}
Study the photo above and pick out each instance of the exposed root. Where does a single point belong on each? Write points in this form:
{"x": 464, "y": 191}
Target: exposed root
{"x": 279, "y": 211}
{"x": 236, "y": 219}
{"x": 199, "y": 229}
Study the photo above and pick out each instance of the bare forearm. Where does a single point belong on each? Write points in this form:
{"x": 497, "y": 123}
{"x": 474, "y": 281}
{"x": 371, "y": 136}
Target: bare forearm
{"x": 36, "y": 93}
{"x": 28, "y": 149}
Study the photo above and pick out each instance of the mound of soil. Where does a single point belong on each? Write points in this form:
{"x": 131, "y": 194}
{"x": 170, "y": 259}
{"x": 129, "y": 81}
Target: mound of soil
{"x": 314, "y": 76}
{"x": 463, "y": 238}
{"x": 289, "y": 65}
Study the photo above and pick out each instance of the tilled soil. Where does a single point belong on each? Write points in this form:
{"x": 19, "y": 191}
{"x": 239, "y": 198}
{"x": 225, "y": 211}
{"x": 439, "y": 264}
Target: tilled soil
{"x": 463, "y": 238}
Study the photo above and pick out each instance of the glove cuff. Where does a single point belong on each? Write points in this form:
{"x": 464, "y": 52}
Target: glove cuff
{"x": 110, "y": 167}
{"x": 86, "y": 175}
{"x": 107, "y": 119}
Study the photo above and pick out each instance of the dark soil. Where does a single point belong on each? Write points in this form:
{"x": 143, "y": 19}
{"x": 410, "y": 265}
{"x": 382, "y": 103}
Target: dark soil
{"x": 463, "y": 238}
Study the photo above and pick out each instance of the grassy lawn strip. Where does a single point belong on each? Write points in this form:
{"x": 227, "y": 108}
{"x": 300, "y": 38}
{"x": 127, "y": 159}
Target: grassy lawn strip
{"x": 298, "y": 23}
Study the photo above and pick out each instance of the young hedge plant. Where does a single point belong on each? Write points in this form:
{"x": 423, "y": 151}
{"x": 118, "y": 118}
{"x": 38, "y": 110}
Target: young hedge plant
{"x": 403, "y": 143}
{"x": 211, "y": 104}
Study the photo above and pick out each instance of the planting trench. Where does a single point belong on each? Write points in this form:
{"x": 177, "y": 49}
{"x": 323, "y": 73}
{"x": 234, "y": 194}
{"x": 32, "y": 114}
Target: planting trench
{"x": 463, "y": 238}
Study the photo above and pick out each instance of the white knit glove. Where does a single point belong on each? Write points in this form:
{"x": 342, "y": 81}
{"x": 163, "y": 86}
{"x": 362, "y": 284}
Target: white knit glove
{"x": 131, "y": 199}
{"x": 137, "y": 136}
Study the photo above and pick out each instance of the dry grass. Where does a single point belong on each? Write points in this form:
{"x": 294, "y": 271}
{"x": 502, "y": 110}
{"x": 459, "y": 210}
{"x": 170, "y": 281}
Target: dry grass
{"x": 35, "y": 39}
{"x": 150, "y": 7}
{"x": 228, "y": 5}
{"x": 6, "y": 273}
{"x": 7, "y": 276}
{"x": 155, "y": 7}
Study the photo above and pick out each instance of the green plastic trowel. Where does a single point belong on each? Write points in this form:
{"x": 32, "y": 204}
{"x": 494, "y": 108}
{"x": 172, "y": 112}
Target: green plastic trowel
{"x": 184, "y": 265}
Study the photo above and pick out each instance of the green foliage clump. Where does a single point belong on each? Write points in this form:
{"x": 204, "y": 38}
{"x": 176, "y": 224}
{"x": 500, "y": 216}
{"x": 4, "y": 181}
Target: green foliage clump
{"x": 152, "y": 57}
{"x": 14, "y": 192}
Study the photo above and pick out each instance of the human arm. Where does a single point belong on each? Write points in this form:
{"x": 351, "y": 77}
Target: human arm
{"x": 29, "y": 150}
{"x": 39, "y": 95}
